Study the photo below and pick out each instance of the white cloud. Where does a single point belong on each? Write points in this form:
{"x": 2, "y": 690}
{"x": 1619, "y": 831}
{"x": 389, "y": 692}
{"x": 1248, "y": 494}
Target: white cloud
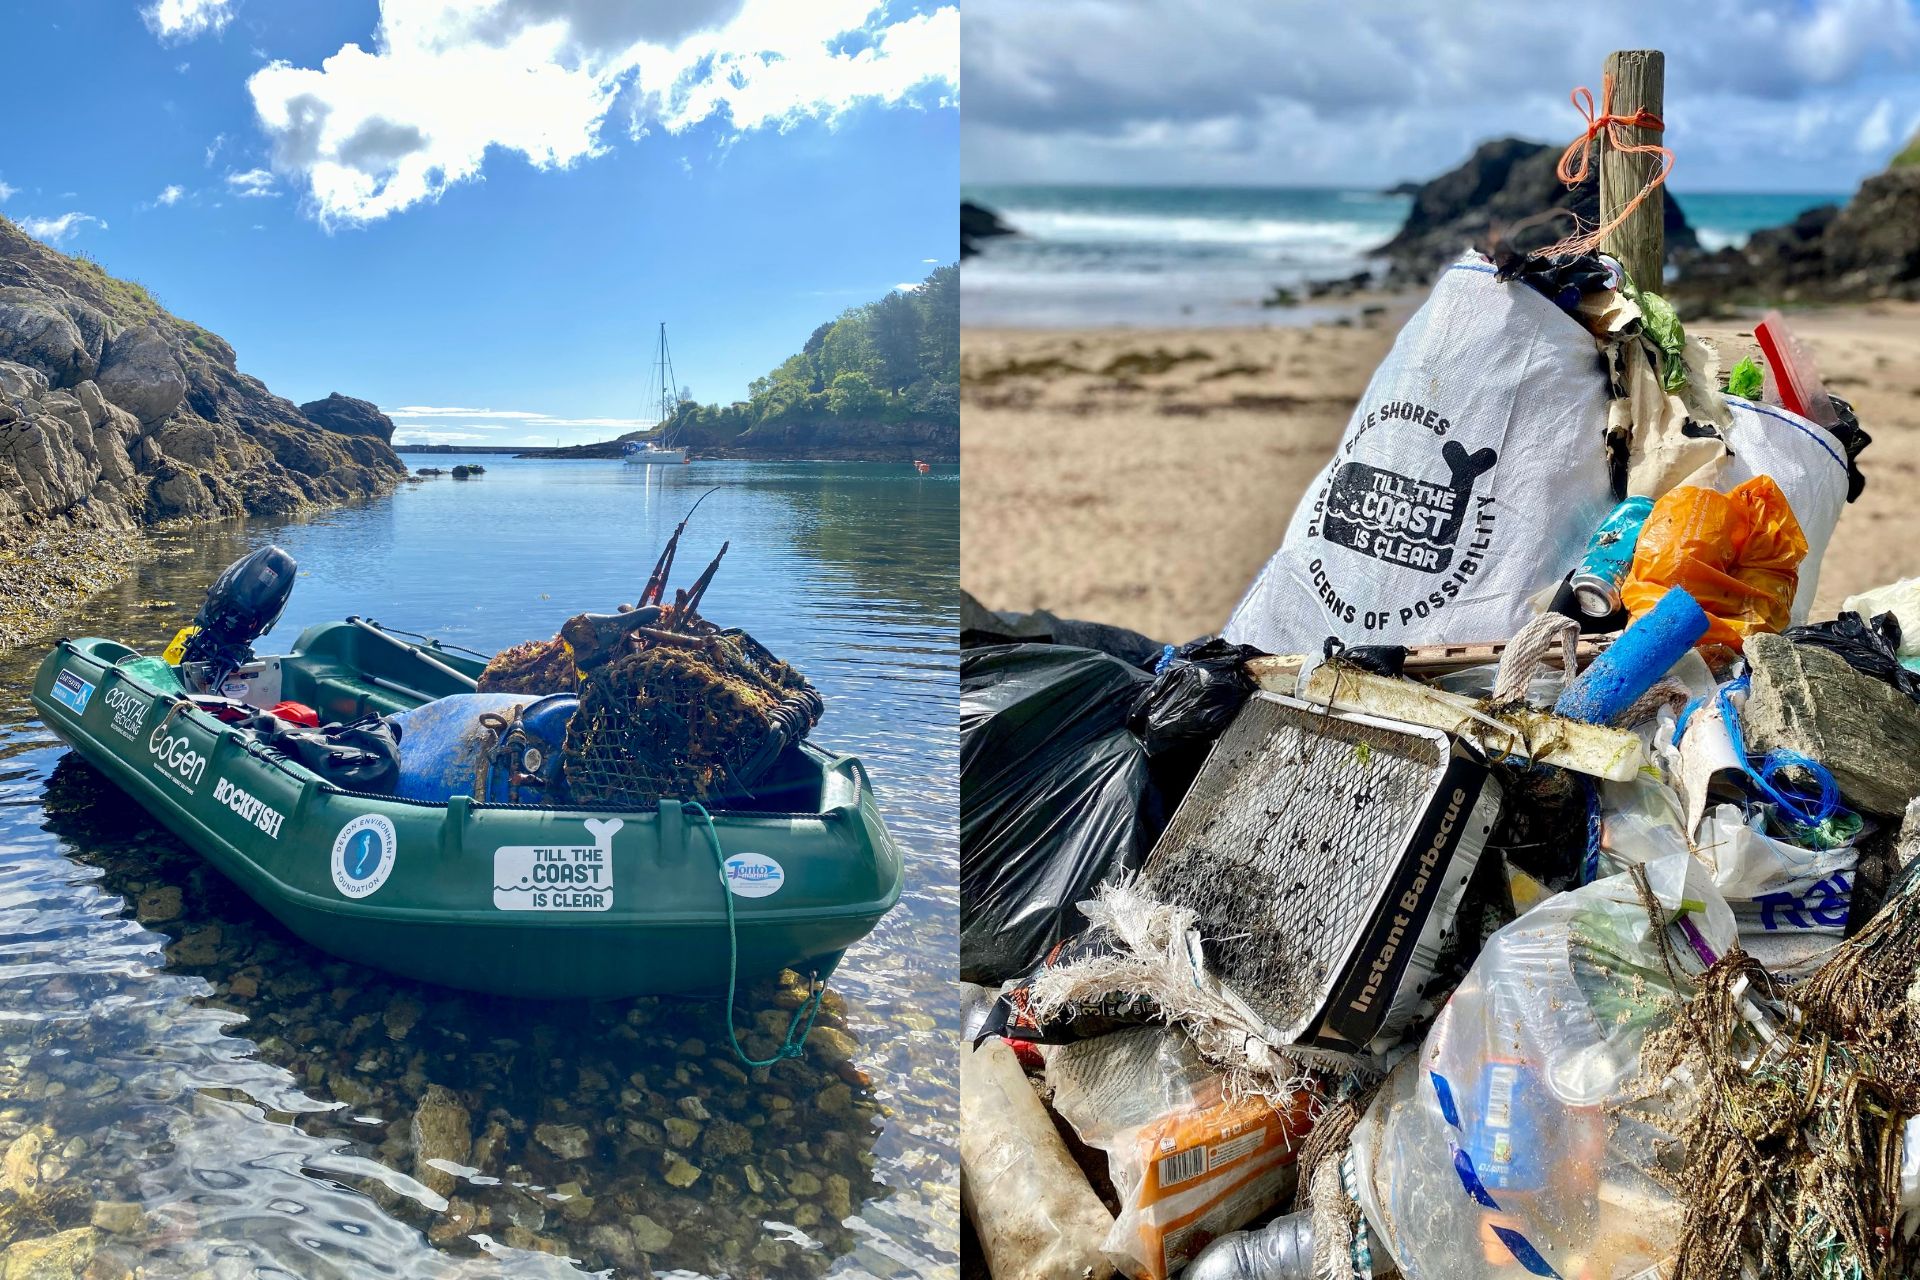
{"x": 252, "y": 183}
{"x": 175, "y": 20}
{"x": 417, "y": 436}
{"x": 907, "y": 287}
{"x": 170, "y": 194}
{"x": 61, "y": 228}
{"x": 1876, "y": 131}
{"x": 213, "y": 148}
{"x": 7, "y": 192}
{"x": 372, "y": 132}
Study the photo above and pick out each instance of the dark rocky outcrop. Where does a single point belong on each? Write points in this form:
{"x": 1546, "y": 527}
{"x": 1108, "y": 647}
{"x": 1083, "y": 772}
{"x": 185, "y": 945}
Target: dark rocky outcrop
{"x": 1504, "y": 184}
{"x": 116, "y": 414}
{"x": 977, "y": 223}
{"x": 119, "y": 414}
{"x": 349, "y": 417}
{"x": 1868, "y": 249}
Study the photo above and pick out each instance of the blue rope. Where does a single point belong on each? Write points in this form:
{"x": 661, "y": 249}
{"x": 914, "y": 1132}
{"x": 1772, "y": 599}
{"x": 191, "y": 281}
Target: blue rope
{"x": 800, "y": 1026}
{"x": 1799, "y": 811}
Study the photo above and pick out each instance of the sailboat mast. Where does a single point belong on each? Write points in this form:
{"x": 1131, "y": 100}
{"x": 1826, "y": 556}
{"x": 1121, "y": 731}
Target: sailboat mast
{"x": 664, "y": 370}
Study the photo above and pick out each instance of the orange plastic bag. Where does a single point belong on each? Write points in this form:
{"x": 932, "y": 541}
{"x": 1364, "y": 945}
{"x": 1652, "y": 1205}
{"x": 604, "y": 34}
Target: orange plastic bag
{"x": 1736, "y": 553}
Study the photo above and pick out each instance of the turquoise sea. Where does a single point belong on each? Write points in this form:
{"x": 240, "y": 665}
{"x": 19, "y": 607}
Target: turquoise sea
{"x": 1092, "y": 256}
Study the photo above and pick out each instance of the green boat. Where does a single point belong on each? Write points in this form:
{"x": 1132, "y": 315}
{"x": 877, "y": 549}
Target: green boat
{"x": 506, "y": 898}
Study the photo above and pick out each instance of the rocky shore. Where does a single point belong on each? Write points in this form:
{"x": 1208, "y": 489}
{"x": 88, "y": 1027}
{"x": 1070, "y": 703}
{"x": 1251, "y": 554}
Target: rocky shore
{"x": 1864, "y": 250}
{"x": 829, "y": 441}
{"x": 1507, "y": 192}
{"x": 117, "y": 416}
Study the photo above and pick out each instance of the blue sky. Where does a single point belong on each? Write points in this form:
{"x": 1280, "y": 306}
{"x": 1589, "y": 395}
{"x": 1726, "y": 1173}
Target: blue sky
{"x": 438, "y": 205}
{"x": 1762, "y": 95}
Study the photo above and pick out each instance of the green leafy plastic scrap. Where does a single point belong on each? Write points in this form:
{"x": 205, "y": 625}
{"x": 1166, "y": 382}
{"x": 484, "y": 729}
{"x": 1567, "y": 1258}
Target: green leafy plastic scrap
{"x": 1746, "y": 380}
{"x": 1660, "y": 322}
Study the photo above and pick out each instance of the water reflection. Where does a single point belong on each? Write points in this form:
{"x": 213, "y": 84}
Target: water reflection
{"x": 189, "y": 1089}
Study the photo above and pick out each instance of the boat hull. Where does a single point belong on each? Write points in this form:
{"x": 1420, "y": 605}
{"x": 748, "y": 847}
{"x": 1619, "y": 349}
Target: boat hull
{"x": 593, "y": 905}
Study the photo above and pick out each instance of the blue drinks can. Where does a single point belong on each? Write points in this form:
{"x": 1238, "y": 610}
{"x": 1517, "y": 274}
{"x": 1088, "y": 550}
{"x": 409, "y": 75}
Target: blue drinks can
{"x": 1597, "y": 579}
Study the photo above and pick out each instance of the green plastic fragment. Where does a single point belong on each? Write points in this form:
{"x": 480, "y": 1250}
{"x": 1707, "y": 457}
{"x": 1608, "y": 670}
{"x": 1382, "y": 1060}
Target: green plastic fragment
{"x": 1746, "y": 380}
{"x": 1660, "y": 322}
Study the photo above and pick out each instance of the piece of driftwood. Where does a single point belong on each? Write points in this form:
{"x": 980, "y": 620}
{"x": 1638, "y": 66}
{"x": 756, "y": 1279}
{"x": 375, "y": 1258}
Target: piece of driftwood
{"x": 1530, "y": 735}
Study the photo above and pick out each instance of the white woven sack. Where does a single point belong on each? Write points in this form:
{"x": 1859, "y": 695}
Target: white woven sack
{"x": 1806, "y": 462}
{"x": 1469, "y": 479}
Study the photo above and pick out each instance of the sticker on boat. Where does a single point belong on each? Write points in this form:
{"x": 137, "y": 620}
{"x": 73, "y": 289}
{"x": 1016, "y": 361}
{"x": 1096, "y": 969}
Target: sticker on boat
{"x": 363, "y": 854}
{"x": 754, "y": 875}
{"x": 71, "y": 692}
{"x": 129, "y": 711}
{"x": 541, "y": 877}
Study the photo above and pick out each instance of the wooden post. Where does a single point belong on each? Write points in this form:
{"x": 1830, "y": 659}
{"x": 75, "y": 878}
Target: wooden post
{"x": 1639, "y": 82}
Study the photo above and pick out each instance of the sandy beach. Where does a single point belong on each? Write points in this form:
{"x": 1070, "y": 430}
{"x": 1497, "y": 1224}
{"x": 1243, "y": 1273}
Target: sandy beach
{"x": 1141, "y": 477}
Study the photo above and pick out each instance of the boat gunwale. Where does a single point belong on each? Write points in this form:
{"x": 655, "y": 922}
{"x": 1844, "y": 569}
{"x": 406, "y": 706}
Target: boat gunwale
{"x": 863, "y": 785}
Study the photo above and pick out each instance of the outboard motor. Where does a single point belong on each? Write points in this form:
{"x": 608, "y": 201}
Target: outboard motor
{"x": 241, "y": 606}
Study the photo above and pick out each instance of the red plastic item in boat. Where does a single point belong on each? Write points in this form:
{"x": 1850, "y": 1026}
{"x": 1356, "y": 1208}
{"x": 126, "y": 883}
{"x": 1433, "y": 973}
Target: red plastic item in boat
{"x": 298, "y": 713}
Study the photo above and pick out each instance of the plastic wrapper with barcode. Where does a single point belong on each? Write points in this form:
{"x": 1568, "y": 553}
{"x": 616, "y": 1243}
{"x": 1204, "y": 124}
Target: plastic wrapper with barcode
{"x": 1188, "y": 1162}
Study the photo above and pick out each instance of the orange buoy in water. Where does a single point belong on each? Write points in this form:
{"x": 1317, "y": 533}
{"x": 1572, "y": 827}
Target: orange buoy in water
{"x": 922, "y": 467}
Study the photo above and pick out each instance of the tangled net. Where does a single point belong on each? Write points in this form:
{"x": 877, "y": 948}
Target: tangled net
{"x": 1789, "y": 1163}
{"x": 537, "y": 667}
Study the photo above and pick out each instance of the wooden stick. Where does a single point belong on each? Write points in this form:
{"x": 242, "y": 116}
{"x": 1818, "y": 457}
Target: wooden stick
{"x": 1639, "y": 82}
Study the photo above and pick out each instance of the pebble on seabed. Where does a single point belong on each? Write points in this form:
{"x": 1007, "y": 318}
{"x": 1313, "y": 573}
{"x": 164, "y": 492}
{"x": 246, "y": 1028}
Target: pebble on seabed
{"x": 634, "y": 1138}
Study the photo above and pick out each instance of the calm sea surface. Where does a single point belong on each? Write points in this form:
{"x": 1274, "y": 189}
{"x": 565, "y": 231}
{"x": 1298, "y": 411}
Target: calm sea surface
{"x": 227, "y": 1101}
{"x": 1091, "y": 256}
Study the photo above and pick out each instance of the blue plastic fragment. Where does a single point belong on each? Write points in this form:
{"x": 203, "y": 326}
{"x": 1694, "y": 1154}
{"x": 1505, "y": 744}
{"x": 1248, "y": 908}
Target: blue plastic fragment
{"x": 1470, "y": 1177}
{"x": 1633, "y": 663}
{"x": 1523, "y": 1251}
{"x": 1444, "y": 1092}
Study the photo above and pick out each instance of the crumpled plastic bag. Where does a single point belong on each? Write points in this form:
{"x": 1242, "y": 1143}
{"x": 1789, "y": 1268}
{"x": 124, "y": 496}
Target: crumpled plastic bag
{"x": 1507, "y": 1145}
{"x": 1055, "y": 798}
{"x": 1194, "y": 697}
{"x": 1872, "y": 649}
{"x": 1738, "y": 554}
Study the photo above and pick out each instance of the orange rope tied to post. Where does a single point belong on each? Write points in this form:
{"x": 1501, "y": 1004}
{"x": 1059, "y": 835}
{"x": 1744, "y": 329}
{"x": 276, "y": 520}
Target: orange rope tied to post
{"x": 1581, "y": 150}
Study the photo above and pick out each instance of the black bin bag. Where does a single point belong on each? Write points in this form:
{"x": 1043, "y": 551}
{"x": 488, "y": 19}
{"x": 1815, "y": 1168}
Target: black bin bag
{"x": 1054, "y": 798}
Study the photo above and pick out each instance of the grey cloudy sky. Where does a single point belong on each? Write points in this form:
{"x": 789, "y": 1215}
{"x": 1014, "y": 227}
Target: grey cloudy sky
{"x": 1762, "y": 95}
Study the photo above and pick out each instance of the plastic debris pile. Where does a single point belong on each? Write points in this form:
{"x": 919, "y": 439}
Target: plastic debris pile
{"x": 1523, "y": 884}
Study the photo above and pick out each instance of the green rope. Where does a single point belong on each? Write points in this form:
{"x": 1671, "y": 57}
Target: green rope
{"x": 800, "y": 1026}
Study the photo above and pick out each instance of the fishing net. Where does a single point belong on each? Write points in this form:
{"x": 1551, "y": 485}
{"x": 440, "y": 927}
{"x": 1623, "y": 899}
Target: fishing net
{"x": 692, "y": 713}
{"x": 537, "y": 667}
{"x": 1787, "y": 1158}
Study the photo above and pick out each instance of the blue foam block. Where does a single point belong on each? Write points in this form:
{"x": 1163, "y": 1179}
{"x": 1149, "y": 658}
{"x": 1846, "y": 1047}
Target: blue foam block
{"x": 1632, "y": 664}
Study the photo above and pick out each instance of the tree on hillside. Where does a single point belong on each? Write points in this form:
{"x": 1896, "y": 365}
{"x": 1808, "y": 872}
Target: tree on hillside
{"x": 938, "y": 300}
{"x": 896, "y": 358}
{"x": 894, "y": 322}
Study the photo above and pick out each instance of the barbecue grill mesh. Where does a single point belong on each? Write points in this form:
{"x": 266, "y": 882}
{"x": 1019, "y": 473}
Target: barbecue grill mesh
{"x": 1285, "y": 843}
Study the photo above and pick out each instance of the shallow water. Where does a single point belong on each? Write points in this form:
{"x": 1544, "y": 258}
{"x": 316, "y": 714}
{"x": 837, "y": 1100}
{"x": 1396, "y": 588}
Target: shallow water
{"x": 165, "y": 1043}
